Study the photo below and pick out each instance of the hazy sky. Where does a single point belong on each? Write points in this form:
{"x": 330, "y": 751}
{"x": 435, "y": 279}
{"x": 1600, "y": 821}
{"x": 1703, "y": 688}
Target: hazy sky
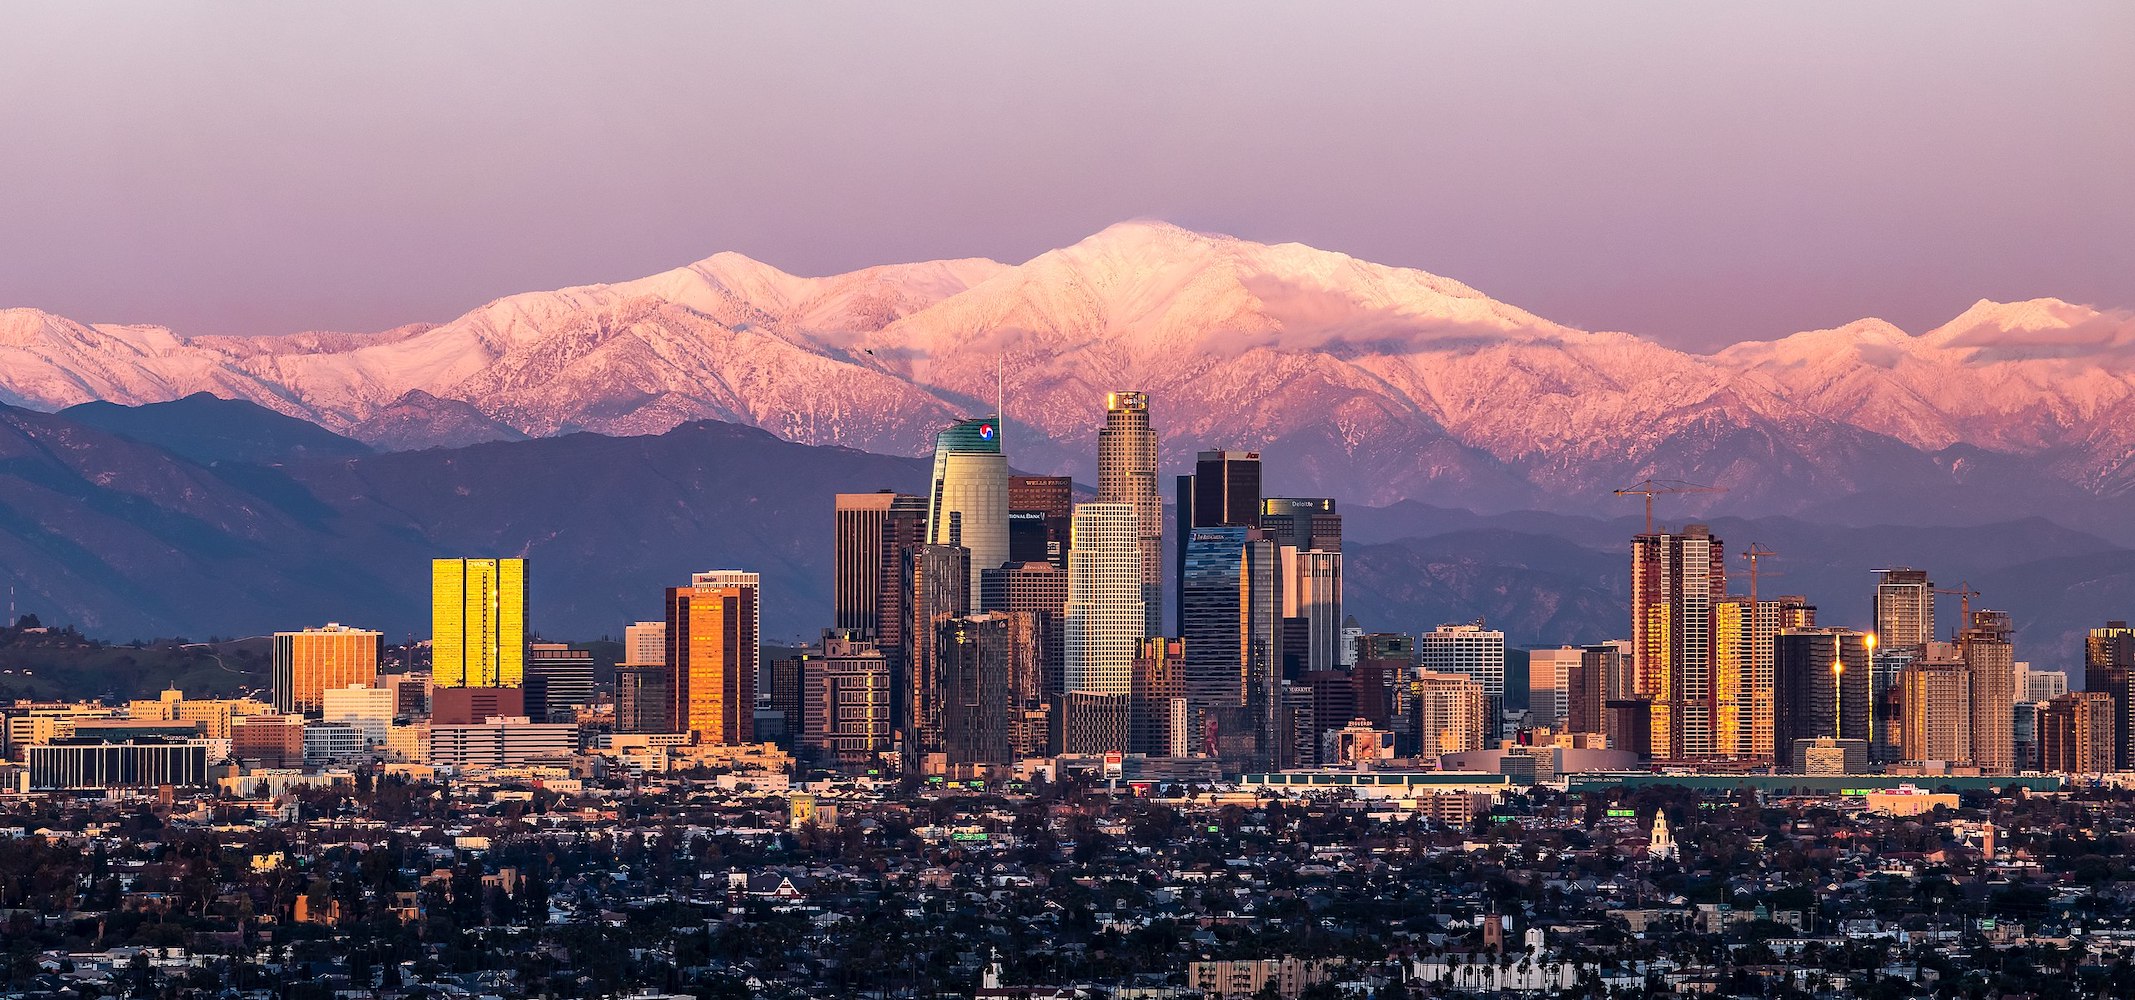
{"x": 1702, "y": 173}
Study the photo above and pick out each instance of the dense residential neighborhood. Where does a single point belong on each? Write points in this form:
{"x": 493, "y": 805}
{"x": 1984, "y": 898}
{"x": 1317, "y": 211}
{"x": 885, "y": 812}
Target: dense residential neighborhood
{"x": 594, "y": 881}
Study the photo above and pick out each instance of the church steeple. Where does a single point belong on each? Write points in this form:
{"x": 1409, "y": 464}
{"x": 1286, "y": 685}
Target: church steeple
{"x": 1663, "y": 843}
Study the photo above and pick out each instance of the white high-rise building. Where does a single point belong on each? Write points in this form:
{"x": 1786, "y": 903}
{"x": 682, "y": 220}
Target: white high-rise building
{"x": 645, "y": 644}
{"x": 967, "y": 501}
{"x": 2039, "y": 685}
{"x": 1352, "y": 633}
{"x": 1470, "y": 649}
{"x": 1105, "y": 613}
{"x": 368, "y": 709}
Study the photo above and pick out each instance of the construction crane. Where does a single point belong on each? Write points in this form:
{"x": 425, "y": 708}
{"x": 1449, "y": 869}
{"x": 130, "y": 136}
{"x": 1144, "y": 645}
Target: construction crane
{"x": 1657, "y": 487}
{"x": 1964, "y": 593}
{"x": 1753, "y": 555}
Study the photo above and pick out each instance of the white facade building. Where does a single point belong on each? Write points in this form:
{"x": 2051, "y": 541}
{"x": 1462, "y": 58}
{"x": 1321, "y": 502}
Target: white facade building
{"x": 332, "y": 742}
{"x": 1105, "y": 612}
{"x": 645, "y": 643}
{"x": 368, "y": 709}
{"x": 1471, "y": 649}
{"x": 501, "y": 742}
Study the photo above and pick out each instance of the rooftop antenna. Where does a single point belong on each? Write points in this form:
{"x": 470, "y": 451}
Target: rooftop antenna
{"x": 1000, "y": 394}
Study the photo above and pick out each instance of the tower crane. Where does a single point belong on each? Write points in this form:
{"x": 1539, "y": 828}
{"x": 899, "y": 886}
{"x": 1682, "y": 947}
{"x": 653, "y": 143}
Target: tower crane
{"x": 1756, "y": 553}
{"x": 1651, "y": 488}
{"x": 1964, "y": 593}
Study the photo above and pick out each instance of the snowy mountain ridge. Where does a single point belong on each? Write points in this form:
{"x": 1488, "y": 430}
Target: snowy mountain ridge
{"x": 1366, "y": 380}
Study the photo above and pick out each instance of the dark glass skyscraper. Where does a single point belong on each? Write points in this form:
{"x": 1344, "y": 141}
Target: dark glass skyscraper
{"x": 934, "y": 593}
{"x": 981, "y": 661}
{"x": 2109, "y": 666}
{"x": 1302, "y": 522}
{"x": 559, "y": 679}
{"x": 1229, "y": 626}
{"x": 1822, "y": 679}
{"x": 1039, "y": 508}
{"x": 902, "y": 532}
{"x": 1040, "y": 590}
{"x": 1223, "y": 492}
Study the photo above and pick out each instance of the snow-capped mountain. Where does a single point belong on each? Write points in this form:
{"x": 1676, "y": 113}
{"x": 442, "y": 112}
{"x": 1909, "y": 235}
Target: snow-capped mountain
{"x": 1359, "y": 380}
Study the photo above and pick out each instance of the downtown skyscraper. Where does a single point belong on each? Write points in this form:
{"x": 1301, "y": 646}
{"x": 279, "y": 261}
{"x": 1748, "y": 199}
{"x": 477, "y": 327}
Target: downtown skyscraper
{"x": 1307, "y": 533}
{"x": 2109, "y": 666}
{"x": 1222, "y": 492}
{"x": 1935, "y": 706}
{"x": 477, "y": 623}
{"x": 1821, "y": 676}
{"x": 1105, "y": 615}
{"x": 935, "y": 591}
{"x": 1904, "y": 608}
{"x": 1990, "y": 657}
{"x": 714, "y": 636}
{"x": 1232, "y": 677}
{"x": 1126, "y": 473}
{"x": 309, "y": 663}
{"x": 967, "y": 499}
{"x": 1744, "y": 679}
{"x": 1472, "y": 650}
{"x": 2076, "y": 732}
{"x": 1039, "y": 508}
{"x": 867, "y": 531}
{"x": 1676, "y": 579}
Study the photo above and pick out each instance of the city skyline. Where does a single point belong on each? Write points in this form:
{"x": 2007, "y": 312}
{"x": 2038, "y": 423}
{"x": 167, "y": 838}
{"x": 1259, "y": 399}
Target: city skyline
{"x": 1361, "y": 501}
{"x": 1710, "y": 691}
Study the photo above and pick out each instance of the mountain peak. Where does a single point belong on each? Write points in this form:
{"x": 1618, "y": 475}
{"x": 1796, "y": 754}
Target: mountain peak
{"x": 1143, "y": 233}
{"x": 2028, "y": 314}
{"x": 2040, "y": 329}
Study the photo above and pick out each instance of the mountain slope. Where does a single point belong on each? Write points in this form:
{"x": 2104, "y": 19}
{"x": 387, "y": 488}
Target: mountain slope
{"x": 208, "y": 429}
{"x": 1378, "y": 383}
{"x": 130, "y": 540}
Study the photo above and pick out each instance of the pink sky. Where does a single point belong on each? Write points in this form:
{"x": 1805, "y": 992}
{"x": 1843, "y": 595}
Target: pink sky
{"x": 1701, "y": 173}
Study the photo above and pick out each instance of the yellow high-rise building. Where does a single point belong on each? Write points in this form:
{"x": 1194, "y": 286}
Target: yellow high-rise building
{"x": 477, "y": 622}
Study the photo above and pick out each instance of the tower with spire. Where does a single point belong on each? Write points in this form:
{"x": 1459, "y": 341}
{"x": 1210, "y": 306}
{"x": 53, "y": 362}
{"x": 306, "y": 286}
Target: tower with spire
{"x": 1662, "y": 847}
